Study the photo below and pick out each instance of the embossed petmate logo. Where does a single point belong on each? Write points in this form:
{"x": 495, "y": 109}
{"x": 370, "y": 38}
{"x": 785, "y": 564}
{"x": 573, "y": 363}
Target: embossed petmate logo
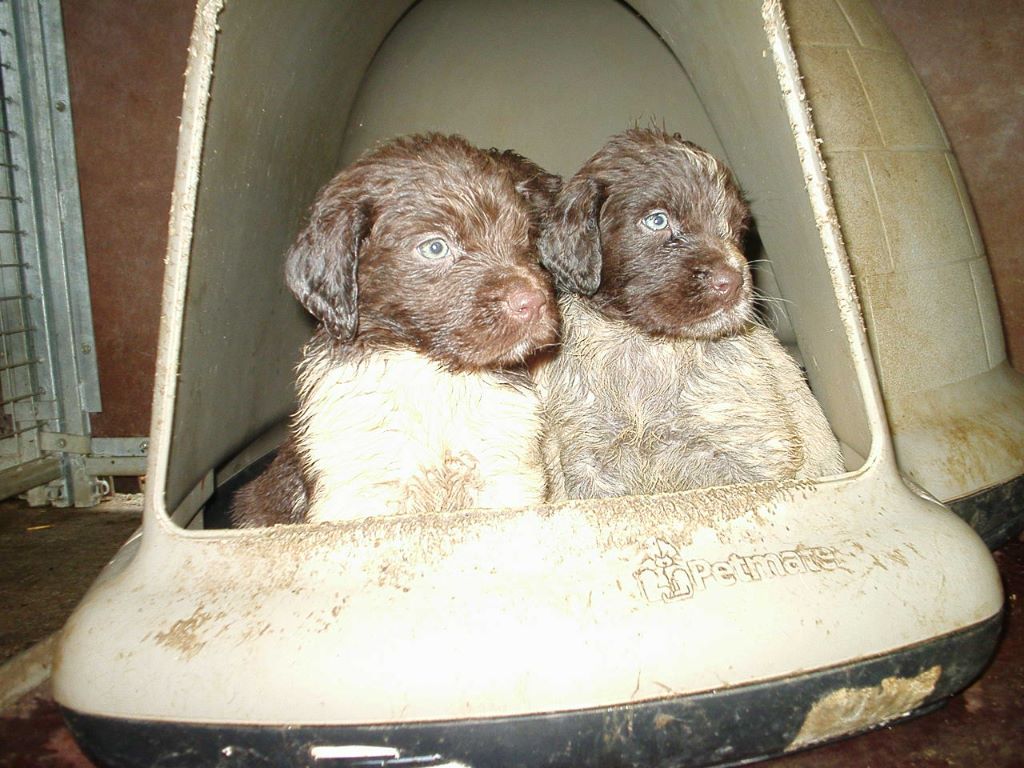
{"x": 664, "y": 576}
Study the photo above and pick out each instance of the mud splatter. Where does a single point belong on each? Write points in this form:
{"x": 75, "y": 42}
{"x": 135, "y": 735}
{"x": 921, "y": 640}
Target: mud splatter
{"x": 183, "y": 635}
{"x": 849, "y": 710}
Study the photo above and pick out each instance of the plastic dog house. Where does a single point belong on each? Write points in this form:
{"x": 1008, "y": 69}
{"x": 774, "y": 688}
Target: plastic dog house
{"x": 703, "y": 628}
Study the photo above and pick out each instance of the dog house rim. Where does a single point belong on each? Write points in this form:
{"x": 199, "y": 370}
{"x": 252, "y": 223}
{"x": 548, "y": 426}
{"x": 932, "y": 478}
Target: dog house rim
{"x": 197, "y": 92}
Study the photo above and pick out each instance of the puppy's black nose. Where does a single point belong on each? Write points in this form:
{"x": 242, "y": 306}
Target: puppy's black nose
{"x": 725, "y": 281}
{"x": 525, "y": 304}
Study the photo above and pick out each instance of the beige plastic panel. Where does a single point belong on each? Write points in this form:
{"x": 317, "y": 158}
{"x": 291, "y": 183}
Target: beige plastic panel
{"x": 551, "y": 78}
{"x": 955, "y": 407}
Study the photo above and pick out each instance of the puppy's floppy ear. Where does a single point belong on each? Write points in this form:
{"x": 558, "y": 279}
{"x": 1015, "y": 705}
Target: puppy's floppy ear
{"x": 535, "y": 185}
{"x": 540, "y": 190}
{"x": 321, "y": 266}
{"x": 570, "y": 248}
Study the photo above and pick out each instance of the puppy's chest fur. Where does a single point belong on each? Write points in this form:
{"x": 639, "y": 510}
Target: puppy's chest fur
{"x": 393, "y": 432}
{"x": 629, "y": 414}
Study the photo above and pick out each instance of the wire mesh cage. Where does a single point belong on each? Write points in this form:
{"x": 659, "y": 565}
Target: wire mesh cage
{"x": 48, "y": 374}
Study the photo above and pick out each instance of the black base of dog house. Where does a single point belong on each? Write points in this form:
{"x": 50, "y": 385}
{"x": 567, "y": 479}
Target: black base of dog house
{"x": 717, "y": 728}
{"x": 997, "y": 514}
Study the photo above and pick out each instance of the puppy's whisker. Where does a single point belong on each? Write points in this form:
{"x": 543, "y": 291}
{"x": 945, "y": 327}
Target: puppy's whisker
{"x": 776, "y": 305}
{"x": 765, "y": 305}
{"x": 769, "y": 305}
{"x": 757, "y": 321}
{"x": 761, "y": 295}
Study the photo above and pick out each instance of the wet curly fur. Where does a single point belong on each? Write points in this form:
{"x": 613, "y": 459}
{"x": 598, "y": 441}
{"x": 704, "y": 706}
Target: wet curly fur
{"x": 420, "y": 262}
{"x": 664, "y": 380}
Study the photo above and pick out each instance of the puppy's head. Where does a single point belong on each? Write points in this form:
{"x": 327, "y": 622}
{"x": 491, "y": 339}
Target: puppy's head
{"x": 430, "y": 242}
{"x": 651, "y": 228}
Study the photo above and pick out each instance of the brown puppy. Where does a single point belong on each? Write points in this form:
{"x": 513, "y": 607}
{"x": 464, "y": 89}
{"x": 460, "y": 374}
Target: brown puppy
{"x": 419, "y": 261}
{"x": 664, "y": 380}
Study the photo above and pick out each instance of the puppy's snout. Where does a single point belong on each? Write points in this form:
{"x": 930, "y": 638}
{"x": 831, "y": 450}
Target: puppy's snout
{"x": 725, "y": 281}
{"x": 525, "y": 304}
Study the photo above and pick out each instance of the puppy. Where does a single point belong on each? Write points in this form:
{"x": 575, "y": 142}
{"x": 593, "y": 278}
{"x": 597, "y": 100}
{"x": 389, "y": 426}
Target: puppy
{"x": 420, "y": 263}
{"x": 664, "y": 380}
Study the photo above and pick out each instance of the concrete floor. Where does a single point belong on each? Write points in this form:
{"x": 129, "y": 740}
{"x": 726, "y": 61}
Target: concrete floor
{"x": 48, "y": 557}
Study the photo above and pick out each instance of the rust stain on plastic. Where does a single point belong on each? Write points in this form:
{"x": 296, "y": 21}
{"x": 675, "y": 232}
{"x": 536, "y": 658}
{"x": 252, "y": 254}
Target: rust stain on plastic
{"x": 849, "y": 710}
{"x": 963, "y": 439}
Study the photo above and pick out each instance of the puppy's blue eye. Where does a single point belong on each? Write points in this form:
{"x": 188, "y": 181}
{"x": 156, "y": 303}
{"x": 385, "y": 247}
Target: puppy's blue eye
{"x": 434, "y": 248}
{"x": 655, "y": 220}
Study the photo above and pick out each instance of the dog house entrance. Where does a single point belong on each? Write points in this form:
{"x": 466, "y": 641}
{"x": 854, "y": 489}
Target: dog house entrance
{"x": 297, "y": 96}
